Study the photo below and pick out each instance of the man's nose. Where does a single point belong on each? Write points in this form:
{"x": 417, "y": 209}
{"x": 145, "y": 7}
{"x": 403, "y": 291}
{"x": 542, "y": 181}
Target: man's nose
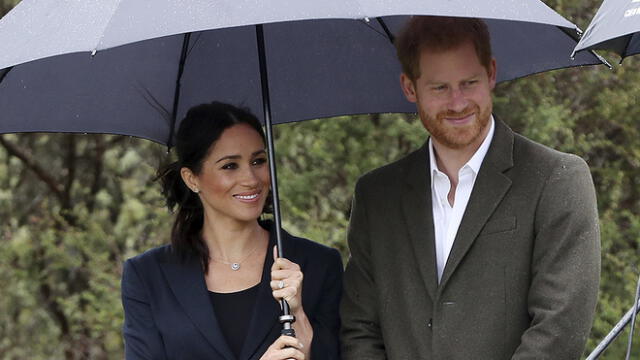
{"x": 457, "y": 100}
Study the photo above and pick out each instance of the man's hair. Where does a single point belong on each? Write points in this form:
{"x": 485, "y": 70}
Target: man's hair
{"x": 437, "y": 33}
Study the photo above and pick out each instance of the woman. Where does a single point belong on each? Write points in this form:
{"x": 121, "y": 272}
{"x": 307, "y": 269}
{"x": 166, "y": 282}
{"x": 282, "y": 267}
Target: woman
{"x": 212, "y": 293}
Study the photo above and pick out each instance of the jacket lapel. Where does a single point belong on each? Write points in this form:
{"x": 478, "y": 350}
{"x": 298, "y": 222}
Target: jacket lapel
{"x": 416, "y": 205}
{"x": 488, "y": 191}
{"x": 187, "y": 283}
{"x": 266, "y": 310}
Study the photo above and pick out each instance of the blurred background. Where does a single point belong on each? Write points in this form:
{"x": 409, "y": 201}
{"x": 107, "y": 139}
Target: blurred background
{"x": 74, "y": 207}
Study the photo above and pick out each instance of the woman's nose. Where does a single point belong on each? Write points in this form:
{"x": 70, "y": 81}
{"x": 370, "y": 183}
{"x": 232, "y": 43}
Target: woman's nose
{"x": 249, "y": 177}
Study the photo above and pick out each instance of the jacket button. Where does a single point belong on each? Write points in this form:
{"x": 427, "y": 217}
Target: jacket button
{"x": 429, "y": 324}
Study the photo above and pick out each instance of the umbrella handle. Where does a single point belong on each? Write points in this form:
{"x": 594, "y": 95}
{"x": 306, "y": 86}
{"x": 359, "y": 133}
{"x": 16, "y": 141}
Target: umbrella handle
{"x": 287, "y": 321}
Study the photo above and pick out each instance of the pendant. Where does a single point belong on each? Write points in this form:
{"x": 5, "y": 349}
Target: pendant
{"x": 235, "y": 266}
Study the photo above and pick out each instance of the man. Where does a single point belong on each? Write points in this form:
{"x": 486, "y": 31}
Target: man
{"x": 480, "y": 245}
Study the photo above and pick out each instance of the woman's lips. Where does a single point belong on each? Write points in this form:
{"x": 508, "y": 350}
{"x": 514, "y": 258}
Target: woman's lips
{"x": 248, "y": 197}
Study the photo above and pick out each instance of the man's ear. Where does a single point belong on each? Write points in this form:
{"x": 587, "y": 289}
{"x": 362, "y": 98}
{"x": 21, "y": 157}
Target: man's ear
{"x": 493, "y": 72}
{"x": 189, "y": 179}
{"x": 408, "y": 88}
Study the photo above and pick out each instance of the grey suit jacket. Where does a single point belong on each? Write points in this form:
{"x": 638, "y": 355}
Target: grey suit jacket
{"x": 521, "y": 281}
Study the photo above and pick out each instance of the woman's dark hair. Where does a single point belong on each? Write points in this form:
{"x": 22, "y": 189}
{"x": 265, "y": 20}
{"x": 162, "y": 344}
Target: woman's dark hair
{"x": 198, "y": 131}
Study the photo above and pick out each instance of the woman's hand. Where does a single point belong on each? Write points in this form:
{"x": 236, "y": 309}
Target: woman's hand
{"x": 285, "y": 347}
{"x": 286, "y": 282}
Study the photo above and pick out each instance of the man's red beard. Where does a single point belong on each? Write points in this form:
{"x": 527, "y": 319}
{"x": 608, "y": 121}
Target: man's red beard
{"x": 457, "y": 137}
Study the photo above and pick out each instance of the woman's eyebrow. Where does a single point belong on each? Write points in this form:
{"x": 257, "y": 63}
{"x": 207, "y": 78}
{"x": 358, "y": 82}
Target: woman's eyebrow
{"x": 235, "y": 157}
{"x": 229, "y": 157}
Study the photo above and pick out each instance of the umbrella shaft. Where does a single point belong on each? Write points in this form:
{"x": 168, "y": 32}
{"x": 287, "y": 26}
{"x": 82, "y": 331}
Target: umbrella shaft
{"x": 266, "y": 106}
{"x": 264, "y": 79}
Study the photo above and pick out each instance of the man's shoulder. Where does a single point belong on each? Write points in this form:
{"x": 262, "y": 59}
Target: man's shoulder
{"x": 533, "y": 154}
{"x": 525, "y": 151}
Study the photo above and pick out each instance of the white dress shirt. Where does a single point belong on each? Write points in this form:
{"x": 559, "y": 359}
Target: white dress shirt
{"x": 447, "y": 218}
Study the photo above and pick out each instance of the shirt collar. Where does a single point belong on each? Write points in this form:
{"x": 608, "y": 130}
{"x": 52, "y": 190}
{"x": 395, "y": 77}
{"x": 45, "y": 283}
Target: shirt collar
{"x": 476, "y": 160}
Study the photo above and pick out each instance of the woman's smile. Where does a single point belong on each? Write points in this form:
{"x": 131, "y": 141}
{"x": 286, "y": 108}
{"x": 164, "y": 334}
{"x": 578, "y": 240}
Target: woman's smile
{"x": 249, "y": 197}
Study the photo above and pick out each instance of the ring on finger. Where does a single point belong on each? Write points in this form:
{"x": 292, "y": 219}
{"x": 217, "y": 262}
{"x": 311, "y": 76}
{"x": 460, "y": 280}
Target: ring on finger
{"x": 281, "y": 284}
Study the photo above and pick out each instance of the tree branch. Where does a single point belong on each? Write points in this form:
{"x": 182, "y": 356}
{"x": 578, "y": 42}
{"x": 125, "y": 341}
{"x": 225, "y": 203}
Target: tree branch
{"x": 52, "y": 183}
{"x": 70, "y": 162}
{"x": 97, "y": 170}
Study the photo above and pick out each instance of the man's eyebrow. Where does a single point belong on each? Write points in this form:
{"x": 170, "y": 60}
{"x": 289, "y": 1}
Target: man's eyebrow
{"x": 436, "y": 82}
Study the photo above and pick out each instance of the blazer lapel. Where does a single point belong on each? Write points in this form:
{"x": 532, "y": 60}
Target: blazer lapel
{"x": 187, "y": 283}
{"x": 266, "y": 310}
{"x": 488, "y": 191}
{"x": 416, "y": 205}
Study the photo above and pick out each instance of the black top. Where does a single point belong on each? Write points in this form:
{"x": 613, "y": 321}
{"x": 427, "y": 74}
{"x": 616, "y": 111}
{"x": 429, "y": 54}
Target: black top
{"x": 233, "y": 311}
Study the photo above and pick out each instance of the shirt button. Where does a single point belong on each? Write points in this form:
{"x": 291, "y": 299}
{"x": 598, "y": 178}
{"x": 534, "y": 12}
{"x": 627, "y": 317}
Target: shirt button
{"x": 430, "y": 323}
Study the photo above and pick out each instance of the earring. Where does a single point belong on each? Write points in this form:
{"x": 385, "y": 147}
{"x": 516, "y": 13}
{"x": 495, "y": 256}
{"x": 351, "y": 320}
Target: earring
{"x": 197, "y": 191}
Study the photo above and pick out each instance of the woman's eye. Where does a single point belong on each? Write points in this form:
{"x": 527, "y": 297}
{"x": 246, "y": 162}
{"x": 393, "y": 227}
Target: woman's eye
{"x": 230, "y": 166}
{"x": 259, "y": 161}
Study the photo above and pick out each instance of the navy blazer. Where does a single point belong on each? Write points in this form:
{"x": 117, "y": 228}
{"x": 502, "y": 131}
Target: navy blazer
{"x": 169, "y": 315}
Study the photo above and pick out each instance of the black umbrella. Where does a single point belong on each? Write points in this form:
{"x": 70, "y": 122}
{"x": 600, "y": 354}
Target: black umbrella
{"x": 134, "y": 67}
{"x": 616, "y": 27}
{"x": 322, "y": 58}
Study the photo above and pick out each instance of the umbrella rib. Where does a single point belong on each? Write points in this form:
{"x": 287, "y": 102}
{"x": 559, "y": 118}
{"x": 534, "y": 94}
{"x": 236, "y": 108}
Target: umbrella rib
{"x": 576, "y": 38}
{"x": 176, "y": 94}
{"x": 626, "y": 48}
{"x": 195, "y": 42}
{"x": 4, "y": 72}
{"x": 106, "y": 26}
{"x": 372, "y": 28}
{"x": 154, "y": 103}
{"x": 386, "y": 29}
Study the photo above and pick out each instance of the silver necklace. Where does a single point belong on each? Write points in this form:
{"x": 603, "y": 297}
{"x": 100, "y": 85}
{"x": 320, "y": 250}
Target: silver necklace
{"x": 235, "y": 266}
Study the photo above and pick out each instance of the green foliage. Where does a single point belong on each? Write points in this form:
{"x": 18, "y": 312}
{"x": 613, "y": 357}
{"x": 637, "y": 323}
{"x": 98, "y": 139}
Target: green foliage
{"x": 319, "y": 162}
{"x": 61, "y": 253}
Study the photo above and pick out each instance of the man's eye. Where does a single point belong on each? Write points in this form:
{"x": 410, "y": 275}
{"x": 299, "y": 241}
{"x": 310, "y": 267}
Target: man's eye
{"x": 230, "y": 166}
{"x": 439, "y": 88}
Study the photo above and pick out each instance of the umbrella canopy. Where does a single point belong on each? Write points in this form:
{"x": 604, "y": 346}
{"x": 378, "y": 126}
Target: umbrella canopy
{"x": 133, "y": 67}
{"x": 616, "y": 27}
